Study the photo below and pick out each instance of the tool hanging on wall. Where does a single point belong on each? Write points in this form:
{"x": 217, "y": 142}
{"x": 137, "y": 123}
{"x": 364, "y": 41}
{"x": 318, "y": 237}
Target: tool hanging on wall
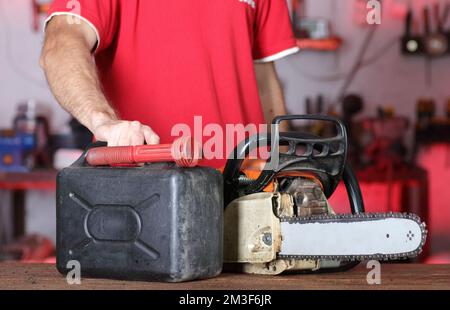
{"x": 434, "y": 42}
{"x": 411, "y": 42}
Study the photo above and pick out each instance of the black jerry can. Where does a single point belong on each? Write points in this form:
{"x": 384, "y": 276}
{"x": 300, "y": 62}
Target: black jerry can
{"x": 153, "y": 223}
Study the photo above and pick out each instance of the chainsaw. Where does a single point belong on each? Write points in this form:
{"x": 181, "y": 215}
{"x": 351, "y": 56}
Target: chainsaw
{"x": 277, "y": 216}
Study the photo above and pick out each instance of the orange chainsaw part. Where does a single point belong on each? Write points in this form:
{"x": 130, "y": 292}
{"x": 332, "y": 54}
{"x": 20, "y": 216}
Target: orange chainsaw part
{"x": 252, "y": 169}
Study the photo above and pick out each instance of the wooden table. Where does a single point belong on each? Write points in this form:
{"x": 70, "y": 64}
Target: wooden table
{"x": 393, "y": 276}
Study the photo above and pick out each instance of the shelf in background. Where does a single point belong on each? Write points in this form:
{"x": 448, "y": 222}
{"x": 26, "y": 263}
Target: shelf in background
{"x": 325, "y": 45}
{"x": 34, "y": 180}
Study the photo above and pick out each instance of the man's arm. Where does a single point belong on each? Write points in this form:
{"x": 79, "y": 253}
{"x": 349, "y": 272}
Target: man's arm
{"x": 271, "y": 93}
{"x": 72, "y": 75}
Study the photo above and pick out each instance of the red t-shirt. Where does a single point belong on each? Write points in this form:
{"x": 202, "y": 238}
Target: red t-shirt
{"x": 163, "y": 62}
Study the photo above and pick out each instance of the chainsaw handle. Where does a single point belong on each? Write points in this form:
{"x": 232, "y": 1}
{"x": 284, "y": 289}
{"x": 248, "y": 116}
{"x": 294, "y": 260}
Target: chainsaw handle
{"x": 330, "y": 165}
{"x": 324, "y": 157}
{"x": 353, "y": 190}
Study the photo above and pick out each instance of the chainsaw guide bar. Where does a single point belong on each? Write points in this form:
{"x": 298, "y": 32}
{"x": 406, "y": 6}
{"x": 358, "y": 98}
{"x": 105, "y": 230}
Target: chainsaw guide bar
{"x": 342, "y": 219}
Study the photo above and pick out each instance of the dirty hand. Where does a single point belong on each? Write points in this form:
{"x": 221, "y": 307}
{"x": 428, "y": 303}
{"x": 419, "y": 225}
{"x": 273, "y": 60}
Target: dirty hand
{"x": 124, "y": 133}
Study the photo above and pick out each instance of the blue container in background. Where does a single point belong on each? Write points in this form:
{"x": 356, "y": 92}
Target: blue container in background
{"x": 16, "y": 151}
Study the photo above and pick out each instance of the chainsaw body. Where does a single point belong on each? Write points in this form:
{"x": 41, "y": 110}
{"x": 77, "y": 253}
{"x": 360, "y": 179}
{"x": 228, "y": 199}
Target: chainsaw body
{"x": 253, "y": 238}
{"x": 277, "y": 216}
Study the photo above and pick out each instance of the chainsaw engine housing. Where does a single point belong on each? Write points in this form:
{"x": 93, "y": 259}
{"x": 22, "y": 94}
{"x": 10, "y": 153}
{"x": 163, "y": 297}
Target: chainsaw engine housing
{"x": 253, "y": 229}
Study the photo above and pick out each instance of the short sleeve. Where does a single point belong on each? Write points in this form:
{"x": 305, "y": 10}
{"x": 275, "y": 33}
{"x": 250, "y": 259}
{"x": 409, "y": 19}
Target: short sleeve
{"x": 274, "y": 38}
{"x": 101, "y": 15}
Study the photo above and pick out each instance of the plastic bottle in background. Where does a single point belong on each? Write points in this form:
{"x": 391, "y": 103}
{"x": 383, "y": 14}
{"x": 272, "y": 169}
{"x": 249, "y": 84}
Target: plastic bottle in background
{"x": 29, "y": 121}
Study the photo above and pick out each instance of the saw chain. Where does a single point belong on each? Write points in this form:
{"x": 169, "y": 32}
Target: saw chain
{"x": 356, "y": 218}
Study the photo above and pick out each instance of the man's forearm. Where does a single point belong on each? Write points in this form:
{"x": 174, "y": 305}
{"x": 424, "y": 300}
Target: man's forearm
{"x": 273, "y": 102}
{"x": 72, "y": 76}
{"x": 271, "y": 93}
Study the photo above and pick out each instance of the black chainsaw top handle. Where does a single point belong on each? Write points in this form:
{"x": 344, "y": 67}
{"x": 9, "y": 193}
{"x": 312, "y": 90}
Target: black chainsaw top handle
{"x": 325, "y": 157}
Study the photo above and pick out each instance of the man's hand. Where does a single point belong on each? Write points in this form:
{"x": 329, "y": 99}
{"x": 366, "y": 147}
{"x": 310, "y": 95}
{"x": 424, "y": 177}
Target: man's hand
{"x": 124, "y": 133}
